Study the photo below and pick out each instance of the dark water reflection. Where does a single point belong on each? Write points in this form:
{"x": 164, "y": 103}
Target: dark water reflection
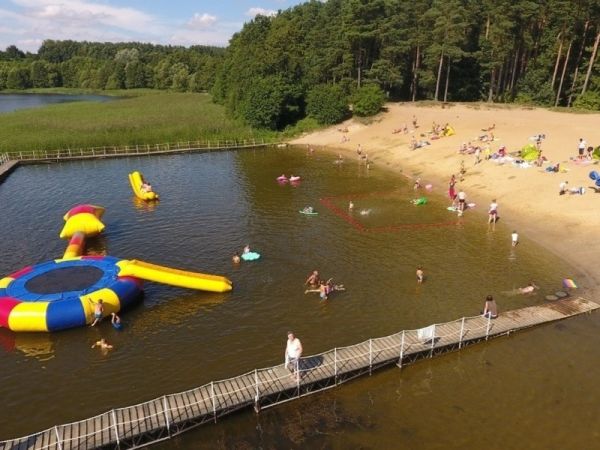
{"x": 13, "y": 102}
{"x": 212, "y": 205}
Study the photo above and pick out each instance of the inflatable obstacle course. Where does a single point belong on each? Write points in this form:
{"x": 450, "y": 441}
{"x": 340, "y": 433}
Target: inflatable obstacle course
{"x": 62, "y": 294}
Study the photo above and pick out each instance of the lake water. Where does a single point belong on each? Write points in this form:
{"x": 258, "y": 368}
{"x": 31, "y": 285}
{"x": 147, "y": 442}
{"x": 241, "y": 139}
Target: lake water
{"x": 13, "y": 102}
{"x": 535, "y": 389}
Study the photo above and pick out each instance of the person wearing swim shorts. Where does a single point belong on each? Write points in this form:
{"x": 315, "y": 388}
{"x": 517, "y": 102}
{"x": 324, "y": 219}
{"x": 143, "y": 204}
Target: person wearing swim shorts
{"x": 98, "y": 310}
{"x": 490, "y": 310}
{"x": 581, "y": 147}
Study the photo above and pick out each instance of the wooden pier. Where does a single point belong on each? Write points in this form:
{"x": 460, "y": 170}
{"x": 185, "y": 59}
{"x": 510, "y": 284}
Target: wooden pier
{"x": 107, "y": 151}
{"x": 6, "y": 168}
{"x": 160, "y": 419}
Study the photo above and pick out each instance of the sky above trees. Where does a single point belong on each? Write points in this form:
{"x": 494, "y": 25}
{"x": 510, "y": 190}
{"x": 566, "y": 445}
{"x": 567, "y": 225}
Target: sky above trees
{"x": 27, "y": 23}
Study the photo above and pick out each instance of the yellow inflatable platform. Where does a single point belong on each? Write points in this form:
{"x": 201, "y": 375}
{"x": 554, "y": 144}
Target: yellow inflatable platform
{"x": 136, "y": 180}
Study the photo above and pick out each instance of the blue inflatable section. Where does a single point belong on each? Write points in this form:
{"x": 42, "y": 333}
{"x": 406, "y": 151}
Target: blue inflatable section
{"x": 17, "y": 288}
{"x": 63, "y": 314}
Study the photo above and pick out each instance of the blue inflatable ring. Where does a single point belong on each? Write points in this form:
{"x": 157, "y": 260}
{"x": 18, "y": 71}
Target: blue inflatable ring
{"x": 61, "y": 294}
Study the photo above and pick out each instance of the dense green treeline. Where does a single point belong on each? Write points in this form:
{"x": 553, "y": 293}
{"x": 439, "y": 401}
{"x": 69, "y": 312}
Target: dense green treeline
{"x": 318, "y": 58}
{"x": 539, "y": 52}
{"x": 93, "y": 65}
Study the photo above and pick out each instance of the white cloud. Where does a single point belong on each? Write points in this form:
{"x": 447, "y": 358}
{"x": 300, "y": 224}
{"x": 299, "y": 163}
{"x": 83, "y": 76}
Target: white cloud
{"x": 256, "y": 11}
{"x": 200, "y": 21}
{"x": 73, "y": 12}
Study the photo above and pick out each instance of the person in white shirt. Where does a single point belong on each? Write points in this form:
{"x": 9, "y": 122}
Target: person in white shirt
{"x": 293, "y": 352}
{"x": 581, "y": 147}
{"x": 562, "y": 187}
{"x": 514, "y": 238}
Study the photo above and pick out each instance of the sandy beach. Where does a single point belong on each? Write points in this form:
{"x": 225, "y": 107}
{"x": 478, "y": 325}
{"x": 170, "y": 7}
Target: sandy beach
{"x": 529, "y": 201}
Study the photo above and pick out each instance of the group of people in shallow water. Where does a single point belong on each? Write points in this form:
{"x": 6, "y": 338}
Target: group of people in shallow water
{"x": 323, "y": 288}
{"x": 115, "y": 320}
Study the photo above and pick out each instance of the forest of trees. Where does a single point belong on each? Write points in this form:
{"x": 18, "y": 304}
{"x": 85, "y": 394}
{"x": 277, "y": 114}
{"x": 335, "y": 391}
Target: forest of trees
{"x": 92, "y": 65}
{"x": 540, "y": 52}
{"x": 278, "y": 69}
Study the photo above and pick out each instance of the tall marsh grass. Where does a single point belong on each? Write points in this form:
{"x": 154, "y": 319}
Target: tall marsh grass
{"x": 151, "y": 118}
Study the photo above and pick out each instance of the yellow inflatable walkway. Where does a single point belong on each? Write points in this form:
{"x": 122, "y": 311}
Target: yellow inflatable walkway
{"x": 174, "y": 277}
{"x": 136, "y": 179}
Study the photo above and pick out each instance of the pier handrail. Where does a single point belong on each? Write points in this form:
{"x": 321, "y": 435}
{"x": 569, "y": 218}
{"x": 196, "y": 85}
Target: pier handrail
{"x": 137, "y": 149}
{"x": 336, "y": 365}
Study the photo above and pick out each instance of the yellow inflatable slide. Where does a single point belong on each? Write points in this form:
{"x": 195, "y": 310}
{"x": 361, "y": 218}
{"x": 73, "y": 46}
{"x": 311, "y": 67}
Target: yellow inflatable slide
{"x": 173, "y": 277}
{"x": 137, "y": 181}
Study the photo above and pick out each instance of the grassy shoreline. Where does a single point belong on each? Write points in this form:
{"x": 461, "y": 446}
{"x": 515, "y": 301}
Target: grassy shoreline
{"x": 140, "y": 117}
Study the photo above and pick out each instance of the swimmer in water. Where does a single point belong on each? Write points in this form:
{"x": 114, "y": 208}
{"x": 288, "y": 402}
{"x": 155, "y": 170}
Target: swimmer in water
{"x": 528, "y": 289}
{"x": 313, "y": 279}
{"x": 247, "y": 248}
{"x": 420, "y": 275}
{"x": 350, "y": 205}
{"x": 115, "y": 321}
{"x": 236, "y": 258}
{"x": 365, "y": 212}
{"x": 102, "y": 344}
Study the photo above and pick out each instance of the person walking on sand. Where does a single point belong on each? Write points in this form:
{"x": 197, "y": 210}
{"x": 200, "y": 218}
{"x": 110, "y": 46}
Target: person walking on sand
{"x": 493, "y": 212}
{"x": 293, "y": 352}
{"x": 514, "y": 237}
{"x": 490, "y": 309}
{"x": 581, "y": 148}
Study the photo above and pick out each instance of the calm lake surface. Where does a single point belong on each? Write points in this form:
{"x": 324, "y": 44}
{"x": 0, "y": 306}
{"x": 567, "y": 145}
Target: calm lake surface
{"x": 535, "y": 389}
{"x": 13, "y": 102}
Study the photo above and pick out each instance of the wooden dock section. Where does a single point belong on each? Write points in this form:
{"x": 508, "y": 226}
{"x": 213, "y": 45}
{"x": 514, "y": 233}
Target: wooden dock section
{"x": 124, "y": 151}
{"x": 6, "y": 168}
{"x": 159, "y": 419}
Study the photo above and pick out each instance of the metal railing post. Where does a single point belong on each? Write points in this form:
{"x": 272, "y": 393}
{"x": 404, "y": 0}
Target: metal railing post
{"x": 166, "y": 415}
{"x": 487, "y": 329}
{"x": 114, "y": 420}
{"x": 335, "y": 366}
{"x": 298, "y": 377}
{"x": 57, "y": 438}
{"x": 462, "y": 330}
{"x": 401, "y": 350}
{"x": 212, "y": 397}
{"x": 257, "y": 396}
{"x": 370, "y": 356}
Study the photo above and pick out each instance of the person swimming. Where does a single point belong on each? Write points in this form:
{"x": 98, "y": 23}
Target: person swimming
{"x": 528, "y": 289}
{"x": 116, "y": 321}
{"x": 236, "y": 258}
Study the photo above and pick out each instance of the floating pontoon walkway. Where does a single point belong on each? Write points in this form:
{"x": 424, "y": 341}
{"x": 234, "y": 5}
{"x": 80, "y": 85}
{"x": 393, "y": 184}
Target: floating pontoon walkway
{"x": 159, "y": 419}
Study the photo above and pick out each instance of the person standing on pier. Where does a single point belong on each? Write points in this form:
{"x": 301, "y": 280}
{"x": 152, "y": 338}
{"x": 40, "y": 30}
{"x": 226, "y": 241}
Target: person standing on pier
{"x": 293, "y": 352}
